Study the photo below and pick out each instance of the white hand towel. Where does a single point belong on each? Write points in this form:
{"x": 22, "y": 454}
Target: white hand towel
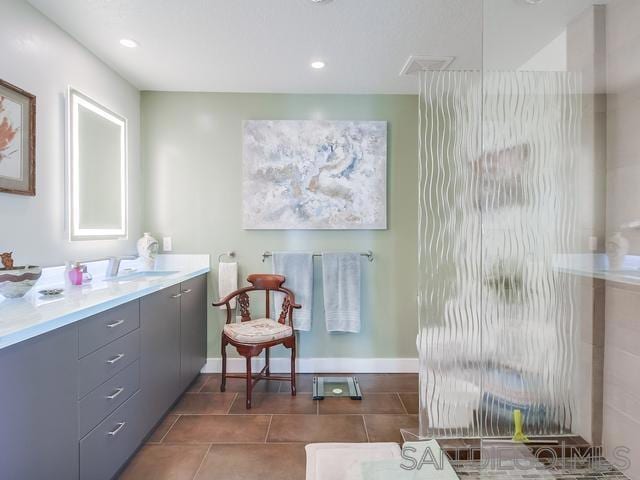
{"x": 297, "y": 268}
{"x": 341, "y": 285}
{"x": 227, "y": 281}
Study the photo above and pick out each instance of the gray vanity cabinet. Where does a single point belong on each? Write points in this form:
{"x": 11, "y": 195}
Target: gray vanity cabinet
{"x": 159, "y": 353}
{"x": 193, "y": 329}
{"x": 77, "y": 402}
{"x": 173, "y": 344}
{"x": 38, "y": 407}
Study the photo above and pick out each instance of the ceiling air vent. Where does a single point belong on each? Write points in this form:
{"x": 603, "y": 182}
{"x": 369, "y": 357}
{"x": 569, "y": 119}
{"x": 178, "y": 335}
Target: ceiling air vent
{"x": 418, "y": 63}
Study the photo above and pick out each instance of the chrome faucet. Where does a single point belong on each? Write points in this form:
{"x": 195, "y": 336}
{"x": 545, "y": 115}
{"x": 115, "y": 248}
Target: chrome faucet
{"x": 114, "y": 265}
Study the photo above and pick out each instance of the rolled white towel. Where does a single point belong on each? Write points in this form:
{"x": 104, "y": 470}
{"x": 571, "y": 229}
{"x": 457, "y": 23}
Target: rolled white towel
{"x": 227, "y": 281}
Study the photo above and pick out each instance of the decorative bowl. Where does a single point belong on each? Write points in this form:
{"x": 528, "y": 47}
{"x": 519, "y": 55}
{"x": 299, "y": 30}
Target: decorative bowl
{"x": 17, "y": 281}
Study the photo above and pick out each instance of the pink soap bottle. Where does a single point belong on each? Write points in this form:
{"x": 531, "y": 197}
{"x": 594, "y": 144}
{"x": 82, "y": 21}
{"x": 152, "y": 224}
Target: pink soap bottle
{"x": 75, "y": 274}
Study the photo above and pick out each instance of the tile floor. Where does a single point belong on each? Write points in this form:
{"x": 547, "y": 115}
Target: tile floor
{"x": 210, "y": 435}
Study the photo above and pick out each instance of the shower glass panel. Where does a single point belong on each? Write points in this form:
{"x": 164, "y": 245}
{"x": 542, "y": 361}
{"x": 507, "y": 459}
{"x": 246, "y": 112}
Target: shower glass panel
{"x": 510, "y": 200}
{"x": 450, "y": 254}
{"x": 497, "y": 207}
{"x": 530, "y": 137}
{"x": 541, "y": 214}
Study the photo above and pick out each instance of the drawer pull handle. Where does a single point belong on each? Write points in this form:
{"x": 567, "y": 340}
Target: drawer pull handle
{"x": 120, "y": 426}
{"x": 177, "y": 295}
{"x": 188, "y": 290}
{"x": 115, "y": 324}
{"x": 116, "y": 393}
{"x": 113, "y": 360}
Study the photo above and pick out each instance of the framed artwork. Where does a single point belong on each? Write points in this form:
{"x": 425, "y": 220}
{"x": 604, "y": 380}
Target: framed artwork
{"x": 307, "y": 174}
{"x": 17, "y": 140}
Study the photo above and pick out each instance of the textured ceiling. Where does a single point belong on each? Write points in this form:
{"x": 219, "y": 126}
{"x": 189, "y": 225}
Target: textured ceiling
{"x": 267, "y": 45}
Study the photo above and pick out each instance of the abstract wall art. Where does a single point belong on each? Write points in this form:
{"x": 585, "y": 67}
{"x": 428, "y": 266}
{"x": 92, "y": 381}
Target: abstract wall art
{"x": 303, "y": 174}
{"x": 17, "y": 140}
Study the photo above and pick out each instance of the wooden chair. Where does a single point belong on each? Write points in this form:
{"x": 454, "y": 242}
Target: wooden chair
{"x": 250, "y": 337}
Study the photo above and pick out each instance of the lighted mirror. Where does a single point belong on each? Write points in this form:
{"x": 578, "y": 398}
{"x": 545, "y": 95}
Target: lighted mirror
{"x": 97, "y": 166}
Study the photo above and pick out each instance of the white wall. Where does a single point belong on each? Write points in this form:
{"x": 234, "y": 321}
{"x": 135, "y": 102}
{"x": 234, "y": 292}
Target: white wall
{"x": 39, "y": 57}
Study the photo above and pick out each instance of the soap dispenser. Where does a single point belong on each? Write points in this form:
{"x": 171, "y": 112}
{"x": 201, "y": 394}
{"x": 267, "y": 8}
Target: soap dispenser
{"x": 75, "y": 274}
{"x": 86, "y": 276}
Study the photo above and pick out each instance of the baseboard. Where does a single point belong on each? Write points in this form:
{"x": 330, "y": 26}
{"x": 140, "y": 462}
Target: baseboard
{"x": 319, "y": 365}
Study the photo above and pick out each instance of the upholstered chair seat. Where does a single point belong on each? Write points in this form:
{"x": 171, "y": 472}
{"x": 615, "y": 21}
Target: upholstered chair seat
{"x": 257, "y": 331}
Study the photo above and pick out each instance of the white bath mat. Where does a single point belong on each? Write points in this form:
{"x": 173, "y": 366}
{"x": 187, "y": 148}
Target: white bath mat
{"x": 378, "y": 461}
{"x": 332, "y": 461}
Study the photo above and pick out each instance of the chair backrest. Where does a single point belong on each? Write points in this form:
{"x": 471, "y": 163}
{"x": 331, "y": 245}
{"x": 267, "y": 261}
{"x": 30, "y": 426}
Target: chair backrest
{"x": 268, "y": 283}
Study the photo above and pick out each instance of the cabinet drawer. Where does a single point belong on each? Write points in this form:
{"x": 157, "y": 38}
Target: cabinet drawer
{"x": 99, "y": 366}
{"x": 93, "y": 408}
{"x": 101, "y": 329}
{"x": 110, "y": 444}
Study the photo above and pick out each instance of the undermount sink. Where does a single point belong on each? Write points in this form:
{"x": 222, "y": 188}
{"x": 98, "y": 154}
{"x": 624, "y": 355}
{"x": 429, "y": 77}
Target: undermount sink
{"x": 140, "y": 276}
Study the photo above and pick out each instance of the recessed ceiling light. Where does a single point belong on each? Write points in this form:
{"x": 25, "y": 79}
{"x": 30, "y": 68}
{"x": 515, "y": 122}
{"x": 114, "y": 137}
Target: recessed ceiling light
{"x": 129, "y": 43}
{"x": 318, "y": 64}
{"x": 320, "y": 1}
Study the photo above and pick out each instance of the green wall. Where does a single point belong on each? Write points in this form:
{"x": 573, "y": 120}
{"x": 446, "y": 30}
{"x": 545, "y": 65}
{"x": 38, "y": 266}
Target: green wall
{"x": 192, "y": 166}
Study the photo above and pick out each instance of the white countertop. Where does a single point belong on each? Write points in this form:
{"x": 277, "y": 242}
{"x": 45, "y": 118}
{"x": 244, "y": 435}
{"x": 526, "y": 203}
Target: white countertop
{"x": 34, "y": 314}
{"x": 597, "y": 266}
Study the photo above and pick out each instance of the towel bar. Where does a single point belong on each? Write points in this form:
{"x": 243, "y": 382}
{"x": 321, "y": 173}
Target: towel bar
{"x": 368, "y": 254}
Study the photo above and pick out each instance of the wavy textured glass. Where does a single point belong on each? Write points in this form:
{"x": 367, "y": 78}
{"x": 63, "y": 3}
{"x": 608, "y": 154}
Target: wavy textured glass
{"x": 497, "y": 328}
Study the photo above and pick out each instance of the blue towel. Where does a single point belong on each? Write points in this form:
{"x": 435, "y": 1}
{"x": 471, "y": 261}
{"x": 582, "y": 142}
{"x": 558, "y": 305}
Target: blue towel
{"x": 341, "y": 285}
{"x": 297, "y": 268}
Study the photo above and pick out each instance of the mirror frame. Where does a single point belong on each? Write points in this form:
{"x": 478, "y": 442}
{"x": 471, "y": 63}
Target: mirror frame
{"x": 75, "y": 98}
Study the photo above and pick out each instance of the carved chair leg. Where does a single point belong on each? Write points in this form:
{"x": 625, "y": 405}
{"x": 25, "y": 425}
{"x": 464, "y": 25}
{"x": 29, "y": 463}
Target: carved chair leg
{"x": 267, "y": 370}
{"x": 293, "y": 369}
{"x": 223, "y": 351}
{"x": 249, "y": 382}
